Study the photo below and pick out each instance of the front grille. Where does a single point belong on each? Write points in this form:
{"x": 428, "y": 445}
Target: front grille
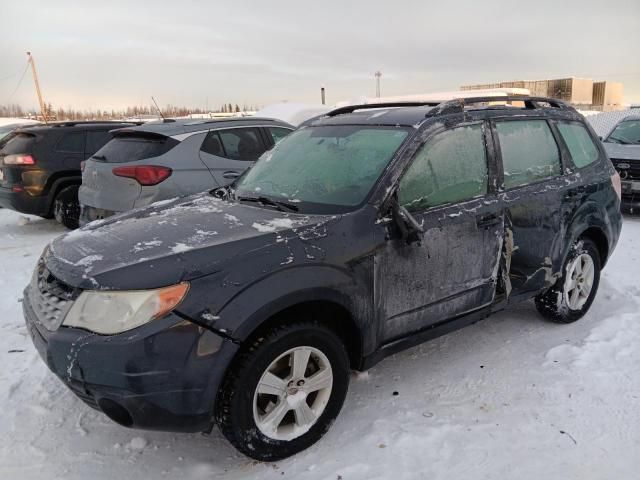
{"x": 628, "y": 169}
{"x": 50, "y": 298}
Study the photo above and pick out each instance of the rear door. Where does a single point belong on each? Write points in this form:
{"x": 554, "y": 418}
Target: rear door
{"x": 532, "y": 193}
{"x": 69, "y": 149}
{"x": 228, "y": 152}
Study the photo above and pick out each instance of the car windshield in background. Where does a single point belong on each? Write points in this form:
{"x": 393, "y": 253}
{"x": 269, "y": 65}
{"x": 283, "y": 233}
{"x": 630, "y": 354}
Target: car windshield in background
{"x": 324, "y": 169}
{"x": 626, "y": 133}
{"x": 129, "y": 148}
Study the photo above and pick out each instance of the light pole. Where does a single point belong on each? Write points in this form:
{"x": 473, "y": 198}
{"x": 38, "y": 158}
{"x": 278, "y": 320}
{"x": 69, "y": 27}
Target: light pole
{"x": 378, "y": 74}
{"x": 322, "y": 97}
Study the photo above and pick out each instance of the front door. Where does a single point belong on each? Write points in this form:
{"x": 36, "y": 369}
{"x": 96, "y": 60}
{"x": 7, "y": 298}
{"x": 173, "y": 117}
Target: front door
{"x": 453, "y": 269}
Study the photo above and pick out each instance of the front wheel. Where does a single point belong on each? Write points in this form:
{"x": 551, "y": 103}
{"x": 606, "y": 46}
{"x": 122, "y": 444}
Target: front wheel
{"x": 284, "y": 392}
{"x": 572, "y": 295}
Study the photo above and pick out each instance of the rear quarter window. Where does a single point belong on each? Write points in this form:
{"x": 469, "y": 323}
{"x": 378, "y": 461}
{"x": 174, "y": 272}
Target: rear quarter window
{"x": 529, "y": 151}
{"x": 122, "y": 149}
{"x": 581, "y": 147}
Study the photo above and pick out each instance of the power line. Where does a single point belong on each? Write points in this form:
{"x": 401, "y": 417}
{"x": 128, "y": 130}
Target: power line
{"x": 19, "y": 82}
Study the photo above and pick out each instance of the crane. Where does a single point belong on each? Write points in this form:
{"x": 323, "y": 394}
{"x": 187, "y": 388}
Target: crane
{"x": 35, "y": 80}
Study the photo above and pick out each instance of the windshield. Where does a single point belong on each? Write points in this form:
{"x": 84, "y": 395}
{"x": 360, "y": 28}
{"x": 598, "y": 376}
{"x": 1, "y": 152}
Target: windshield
{"x": 324, "y": 169}
{"x": 626, "y": 133}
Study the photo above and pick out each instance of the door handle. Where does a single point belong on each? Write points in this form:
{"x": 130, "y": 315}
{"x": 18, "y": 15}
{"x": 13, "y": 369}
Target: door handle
{"x": 487, "y": 220}
{"x": 230, "y": 174}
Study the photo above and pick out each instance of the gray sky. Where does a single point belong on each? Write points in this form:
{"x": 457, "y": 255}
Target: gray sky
{"x": 110, "y": 54}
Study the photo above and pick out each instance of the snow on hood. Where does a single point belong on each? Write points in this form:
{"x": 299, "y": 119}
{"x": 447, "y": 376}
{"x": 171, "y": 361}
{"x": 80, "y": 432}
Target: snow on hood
{"x": 193, "y": 235}
{"x": 622, "y": 152}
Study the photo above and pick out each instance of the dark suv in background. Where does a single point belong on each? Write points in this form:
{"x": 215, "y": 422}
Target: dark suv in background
{"x": 40, "y": 170}
{"x": 368, "y": 230}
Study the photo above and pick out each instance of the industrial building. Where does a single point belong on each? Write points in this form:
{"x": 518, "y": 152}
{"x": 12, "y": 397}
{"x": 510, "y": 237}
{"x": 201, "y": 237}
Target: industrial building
{"x": 584, "y": 93}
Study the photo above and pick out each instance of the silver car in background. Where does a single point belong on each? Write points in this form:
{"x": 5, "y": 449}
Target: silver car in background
{"x": 171, "y": 158}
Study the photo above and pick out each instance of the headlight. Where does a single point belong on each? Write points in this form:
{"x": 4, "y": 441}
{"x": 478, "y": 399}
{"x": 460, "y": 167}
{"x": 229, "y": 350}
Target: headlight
{"x": 110, "y": 312}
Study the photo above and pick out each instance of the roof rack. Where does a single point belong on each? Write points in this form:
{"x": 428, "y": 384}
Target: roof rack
{"x": 458, "y": 104}
{"x": 89, "y": 122}
{"x": 364, "y": 106}
{"x": 455, "y": 105}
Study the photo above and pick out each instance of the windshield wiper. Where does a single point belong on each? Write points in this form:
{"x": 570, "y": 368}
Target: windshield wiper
{"x": 267, "y": 201}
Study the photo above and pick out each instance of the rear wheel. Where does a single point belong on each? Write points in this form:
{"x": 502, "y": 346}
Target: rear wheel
{"x": 572, "y": 295}
{"x": 283, "y": 394}
{"x": 66, "y": 207}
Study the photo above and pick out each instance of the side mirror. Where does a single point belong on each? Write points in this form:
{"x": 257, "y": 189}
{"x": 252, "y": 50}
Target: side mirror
{"x": 410, "y": 230}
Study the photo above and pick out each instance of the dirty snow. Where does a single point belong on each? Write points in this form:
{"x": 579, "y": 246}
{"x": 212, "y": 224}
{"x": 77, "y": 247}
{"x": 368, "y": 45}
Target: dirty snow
{"x": 510, "y": 397}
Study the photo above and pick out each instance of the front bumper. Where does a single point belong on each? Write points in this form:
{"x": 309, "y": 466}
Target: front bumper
{"x": 162, "y": 376}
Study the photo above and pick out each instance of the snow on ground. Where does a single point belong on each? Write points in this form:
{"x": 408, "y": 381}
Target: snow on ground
{"x": 510, "y": 397}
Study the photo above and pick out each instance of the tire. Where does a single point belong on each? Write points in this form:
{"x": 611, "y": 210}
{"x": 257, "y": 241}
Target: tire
{"x": 66, "y": 207}
{"x": 568, "y": 300}
{"x": 242, "y": 413}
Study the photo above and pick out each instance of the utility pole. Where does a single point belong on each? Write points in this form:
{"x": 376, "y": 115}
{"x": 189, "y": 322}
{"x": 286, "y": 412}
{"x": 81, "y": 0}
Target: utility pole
{"x": 35, "y": 80}
{"x": 322, "y": 97}
{"x": 378, "y": 74}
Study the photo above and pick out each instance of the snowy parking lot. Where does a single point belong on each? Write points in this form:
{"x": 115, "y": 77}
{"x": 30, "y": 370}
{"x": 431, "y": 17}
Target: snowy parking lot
{"x": 510, "y": 397}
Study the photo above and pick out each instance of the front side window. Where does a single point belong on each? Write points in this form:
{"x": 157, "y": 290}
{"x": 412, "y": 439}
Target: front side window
{"x": 450, "y": 167}
{"x": 529, "y": 152}
{"x": 579, "y": 142}
{"x": 626, "y": 133}
{"x": 324, "y": 169}
{"x": 71, "y": 142}
{"x": 242, "y": 143}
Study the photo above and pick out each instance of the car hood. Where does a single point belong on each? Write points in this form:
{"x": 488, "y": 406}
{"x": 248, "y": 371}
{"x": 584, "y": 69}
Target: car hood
{"x": 167, "y": 242}
{"x": 622, "y": 152}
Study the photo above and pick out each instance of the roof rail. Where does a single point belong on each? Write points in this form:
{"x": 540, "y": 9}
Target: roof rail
{"x": 72, "y": 123}
{"x": 455, "y": 105}
{"x": 353, "y": 108}
{"x": 458, "y": 104}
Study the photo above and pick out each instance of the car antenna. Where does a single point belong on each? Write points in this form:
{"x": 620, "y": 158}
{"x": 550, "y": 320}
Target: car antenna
{"x": 159, "y": 111}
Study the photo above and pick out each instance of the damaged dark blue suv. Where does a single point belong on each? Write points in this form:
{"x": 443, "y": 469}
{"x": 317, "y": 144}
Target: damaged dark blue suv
{"x": 366, "y": 231}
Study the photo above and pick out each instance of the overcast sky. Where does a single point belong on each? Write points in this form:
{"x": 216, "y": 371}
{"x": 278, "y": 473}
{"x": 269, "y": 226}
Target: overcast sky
{"x": 111, "y": 54}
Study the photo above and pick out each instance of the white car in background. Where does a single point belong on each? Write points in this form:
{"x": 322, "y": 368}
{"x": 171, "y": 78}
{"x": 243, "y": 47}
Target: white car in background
{"x": 8, "y": 125}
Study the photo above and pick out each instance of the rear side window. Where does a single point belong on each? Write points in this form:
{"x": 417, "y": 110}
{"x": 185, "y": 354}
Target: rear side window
{"x": 96, "y": 139}
{"x": 278, "y": 133}
{"x": 529, "y": 152}
{"x": 450, "y": 167}
{"x": 18, "y": 143}
{"x": 212, "y": 145}
{"x": 72, "y": 142}
{"x": 579, "y": 142}
{"x": 242, "y": 143}
{"x": 130, "y": 148}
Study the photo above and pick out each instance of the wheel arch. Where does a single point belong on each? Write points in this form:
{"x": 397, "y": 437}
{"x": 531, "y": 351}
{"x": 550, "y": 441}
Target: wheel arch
{"x": 590, "y": 222}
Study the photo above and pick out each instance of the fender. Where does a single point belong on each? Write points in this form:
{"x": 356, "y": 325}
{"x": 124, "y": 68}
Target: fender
{"x": 256, "y": 303}
{"x": 588, "y": 215}
{"x": 57, "y": 184}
